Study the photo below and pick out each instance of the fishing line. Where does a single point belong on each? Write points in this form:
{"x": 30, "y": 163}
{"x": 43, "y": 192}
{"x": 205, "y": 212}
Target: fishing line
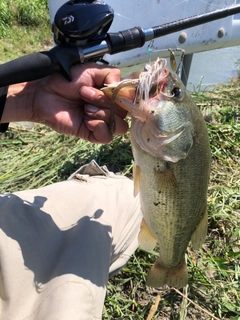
{"x": 180, "y": 3}
{"x": 215, "y": 5}
{"x": 121, "y": 16}
{"x": 176, "y": 66}
{"x": 139, "y": 16}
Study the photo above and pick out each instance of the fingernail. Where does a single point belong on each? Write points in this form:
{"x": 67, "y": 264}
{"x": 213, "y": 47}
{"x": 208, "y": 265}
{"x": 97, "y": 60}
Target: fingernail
{"x": 90, "y": 108}
{"x": 87, "y": 93}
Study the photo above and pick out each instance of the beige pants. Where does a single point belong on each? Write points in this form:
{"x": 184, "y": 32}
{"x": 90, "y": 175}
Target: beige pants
{"x": 59, "y": 245}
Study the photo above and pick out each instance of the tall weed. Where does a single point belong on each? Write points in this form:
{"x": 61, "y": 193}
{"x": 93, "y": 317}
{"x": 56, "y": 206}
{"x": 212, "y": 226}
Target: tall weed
{"x": 29, "y": 13}
{"x": 6, "y": 18}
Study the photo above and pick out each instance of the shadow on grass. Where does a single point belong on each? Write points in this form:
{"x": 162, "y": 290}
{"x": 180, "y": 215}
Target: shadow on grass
{"x": 117, "y": 156}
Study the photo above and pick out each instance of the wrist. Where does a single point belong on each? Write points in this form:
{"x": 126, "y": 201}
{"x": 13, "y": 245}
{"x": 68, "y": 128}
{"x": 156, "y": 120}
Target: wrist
{"x": 3, "y": 96}
{"x": 18, "y": 104}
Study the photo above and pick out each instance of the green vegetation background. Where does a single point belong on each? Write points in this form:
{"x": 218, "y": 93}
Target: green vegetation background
{"x": 24, "y": 27}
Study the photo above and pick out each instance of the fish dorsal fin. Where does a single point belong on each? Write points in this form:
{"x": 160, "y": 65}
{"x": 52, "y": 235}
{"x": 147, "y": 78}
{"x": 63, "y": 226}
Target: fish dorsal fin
{"x": 199, "y": 235}
{"x": 145, "y": 238}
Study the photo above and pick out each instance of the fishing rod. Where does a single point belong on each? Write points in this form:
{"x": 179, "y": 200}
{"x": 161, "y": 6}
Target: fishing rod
{"x": 80, "y": 31}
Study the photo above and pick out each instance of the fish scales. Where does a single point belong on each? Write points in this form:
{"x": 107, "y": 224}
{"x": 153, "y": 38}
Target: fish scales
{"x": 171, "y": 168}
{"x": 165, "y": 193}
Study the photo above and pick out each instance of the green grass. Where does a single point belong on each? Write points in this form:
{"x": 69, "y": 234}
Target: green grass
{"x": 24, "y": 28}
{"x": 37, "y": 157}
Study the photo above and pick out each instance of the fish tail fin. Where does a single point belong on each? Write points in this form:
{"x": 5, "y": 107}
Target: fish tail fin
{"x": 159, "y": 275}
{"x": 200, "y": 234}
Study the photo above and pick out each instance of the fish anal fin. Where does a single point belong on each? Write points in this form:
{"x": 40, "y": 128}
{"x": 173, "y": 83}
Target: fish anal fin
{"x": 136, "y": 178}
{"x": 200, "y": 234}
{"x": 159, "y": 275}
{"x": 145, "y": 238}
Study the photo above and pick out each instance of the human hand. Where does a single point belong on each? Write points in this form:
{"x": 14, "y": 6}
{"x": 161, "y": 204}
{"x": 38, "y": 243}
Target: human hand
{"x": 74, "y": 107}
{"x": 78, "y": 107}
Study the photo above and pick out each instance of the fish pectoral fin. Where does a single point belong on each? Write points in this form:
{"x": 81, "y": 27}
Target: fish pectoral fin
{"x": 200, "y": 234}
{"x": 159, "y": 275}
{"x": 166, "y": 178}
{"x": 145, "y": 238}
{"x": 136, "y": 178}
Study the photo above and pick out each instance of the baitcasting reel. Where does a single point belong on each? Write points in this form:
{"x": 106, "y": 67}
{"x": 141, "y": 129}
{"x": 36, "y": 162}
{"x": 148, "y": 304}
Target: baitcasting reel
{"x": 79, "y": 22}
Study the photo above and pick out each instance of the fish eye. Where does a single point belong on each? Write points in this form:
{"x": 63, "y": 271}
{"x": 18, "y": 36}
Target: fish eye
{"x": 177, "y": 92}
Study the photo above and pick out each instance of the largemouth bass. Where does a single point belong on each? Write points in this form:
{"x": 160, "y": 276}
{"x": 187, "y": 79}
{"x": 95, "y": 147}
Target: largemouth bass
{"x": 171, "y": 167}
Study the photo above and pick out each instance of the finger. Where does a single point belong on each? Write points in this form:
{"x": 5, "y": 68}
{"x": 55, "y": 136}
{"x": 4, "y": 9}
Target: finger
{"x": 101, "y": 74}
{"x": 98, "y": 131}
{"x": 95, "y": 113}
{"x": 97, "y": 98}
{"x": 94, "y": 75}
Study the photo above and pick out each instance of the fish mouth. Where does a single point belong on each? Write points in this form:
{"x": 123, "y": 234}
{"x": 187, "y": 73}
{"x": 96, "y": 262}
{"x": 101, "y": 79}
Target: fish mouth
{"x": 127, "y": 99}
{"x": 134, "y": 95}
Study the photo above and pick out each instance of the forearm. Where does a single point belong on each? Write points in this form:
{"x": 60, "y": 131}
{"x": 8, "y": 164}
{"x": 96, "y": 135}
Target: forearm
{"x": 18, "y": 105}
